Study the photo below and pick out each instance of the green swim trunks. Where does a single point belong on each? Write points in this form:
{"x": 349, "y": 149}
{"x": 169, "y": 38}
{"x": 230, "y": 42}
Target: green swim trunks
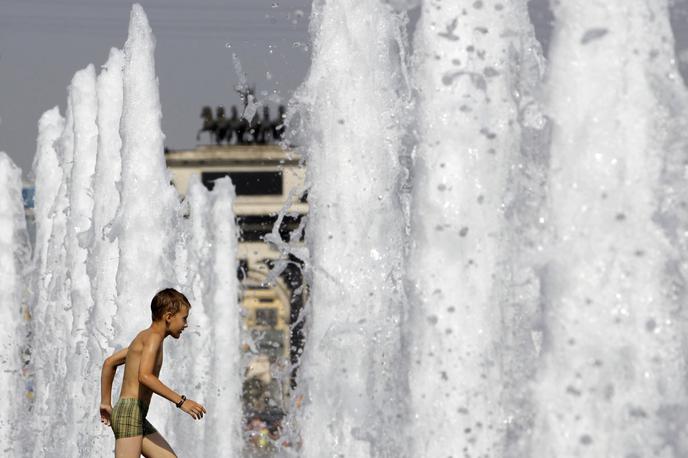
{"x": 128, "y": 419}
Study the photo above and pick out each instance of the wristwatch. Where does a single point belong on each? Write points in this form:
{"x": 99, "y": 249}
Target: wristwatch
{"x": 179, "y": 404}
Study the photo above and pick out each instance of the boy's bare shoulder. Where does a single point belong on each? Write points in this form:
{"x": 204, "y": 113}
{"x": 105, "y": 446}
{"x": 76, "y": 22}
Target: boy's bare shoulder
{"x": 141, "y": 339}
{"x": 147, "y": 336}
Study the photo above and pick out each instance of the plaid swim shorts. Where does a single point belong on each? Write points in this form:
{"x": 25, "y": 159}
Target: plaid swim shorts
{"x": 128, "y": 419}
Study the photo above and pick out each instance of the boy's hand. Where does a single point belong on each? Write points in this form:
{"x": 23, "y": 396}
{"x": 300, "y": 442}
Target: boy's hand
{"x": 194, "y": 409}
{"x": 105, "y": 413}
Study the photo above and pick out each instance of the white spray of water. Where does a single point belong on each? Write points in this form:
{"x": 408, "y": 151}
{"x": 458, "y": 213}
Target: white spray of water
{"x": 51, "y": 331}
{"x": 47, "y": 173}
{"x": 192, "y": 355}
{"x": 224, "y": 405}
{"x": 104, "y": 251}
{"x": 82, "y": 95}
{"x": 613, "y": 381}
{"x": 199, "y": 270}
{"x": 351, "y": 364}
{"x": 469, "y": 60}
{"x": 78, "y": 195}
{"x": 148, "y": 202}
{"x": 14, "y": 259}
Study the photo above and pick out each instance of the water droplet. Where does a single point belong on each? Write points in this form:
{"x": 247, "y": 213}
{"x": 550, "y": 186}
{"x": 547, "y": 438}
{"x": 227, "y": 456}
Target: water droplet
{"x": 650, "y": 325}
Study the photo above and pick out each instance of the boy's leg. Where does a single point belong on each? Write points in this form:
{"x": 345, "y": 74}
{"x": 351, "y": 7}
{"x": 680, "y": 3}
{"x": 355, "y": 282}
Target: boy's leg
{"x": 155, "y": 446}
{"x": 128, "y": 447}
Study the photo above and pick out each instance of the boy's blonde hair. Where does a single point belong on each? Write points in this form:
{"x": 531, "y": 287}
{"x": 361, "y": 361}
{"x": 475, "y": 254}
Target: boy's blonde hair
{"x": 168, "y": 300}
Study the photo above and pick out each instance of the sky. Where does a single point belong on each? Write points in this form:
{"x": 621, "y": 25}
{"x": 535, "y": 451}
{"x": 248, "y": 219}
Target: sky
{"x": 44, "y": 42}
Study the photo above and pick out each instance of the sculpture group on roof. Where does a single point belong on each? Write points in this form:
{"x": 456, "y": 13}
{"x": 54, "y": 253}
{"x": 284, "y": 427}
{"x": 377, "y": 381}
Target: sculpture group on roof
{"x": 249, "y": 128}
{"x": 238, "y": 130}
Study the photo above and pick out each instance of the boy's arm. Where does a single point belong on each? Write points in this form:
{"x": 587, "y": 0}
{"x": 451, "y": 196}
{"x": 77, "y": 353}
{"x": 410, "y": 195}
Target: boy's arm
{"x": 146, "y": 376}
{"x": 148, "y": 379}
{"x": 108, "y": 374}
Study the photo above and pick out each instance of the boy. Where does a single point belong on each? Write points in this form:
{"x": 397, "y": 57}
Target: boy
{"x": 142, "y": 360}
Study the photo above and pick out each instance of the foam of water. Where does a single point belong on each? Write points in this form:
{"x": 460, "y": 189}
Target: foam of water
{"x": 106, "y": 197}
{"x": 107, "y": 222}
{"x": 224, "y": 419}
{"x": 85, "y": 105}
{"x": 14, "y": 258}
{"x": 193, "y": 248}
{"x": 51, "y": 330}
{"x": 148, "y": 201}
{"x": 47, "y": 171}
{"x": 613, "y": 380}
{"x": 353, "y": 398}
{"x": 474, "y": 290}
{"x": 543, "y": 298}
{"x": 468, "y": 71}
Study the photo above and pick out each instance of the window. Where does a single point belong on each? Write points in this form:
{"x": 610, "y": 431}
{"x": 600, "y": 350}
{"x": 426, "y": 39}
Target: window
{"x": 254, "y": 227}
{"x": 248, "y": 183}
{"x": 266, "y": 317}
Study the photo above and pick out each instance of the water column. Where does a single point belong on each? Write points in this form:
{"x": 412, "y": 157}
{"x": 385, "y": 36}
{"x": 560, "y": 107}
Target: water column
{"x": 613, "y": 382}
{"x": 190, "y": 367}
{"x": 353, "y": 100}
{"x": 200, "y": 255}
{"x": 84, "y": 103}
{"x": 224, "y": 419}
{"x": 52, "y": 321}
{"x": 145, "y": 221}
{"x": 14, "y": 259}
{"x": 47, "y": 172}
{"x": 476, "y": 64}
{"x": 103, "y": 251}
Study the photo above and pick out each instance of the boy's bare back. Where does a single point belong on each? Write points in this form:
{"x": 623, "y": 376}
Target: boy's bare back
{"x": 131, "y": 388}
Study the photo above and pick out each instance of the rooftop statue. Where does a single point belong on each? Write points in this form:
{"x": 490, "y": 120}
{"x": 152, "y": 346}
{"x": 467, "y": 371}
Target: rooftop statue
{"x": 208, "y": 124}
{"x": 221, "y": 125}
{"x": 237, "y": 129}
{"x": 233, "y": 126}
{"x": 278, "y": 126}
{"x": 264, "y": 127}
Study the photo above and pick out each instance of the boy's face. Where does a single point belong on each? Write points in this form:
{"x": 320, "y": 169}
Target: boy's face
{"x": 177, "y": 323}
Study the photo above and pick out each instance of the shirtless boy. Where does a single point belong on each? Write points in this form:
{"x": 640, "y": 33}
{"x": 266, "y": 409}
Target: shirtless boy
{"x": 142, "y": 360}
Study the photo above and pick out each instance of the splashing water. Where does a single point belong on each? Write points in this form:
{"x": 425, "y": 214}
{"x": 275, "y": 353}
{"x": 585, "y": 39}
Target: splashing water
{"x": 14, "y": 259}
{"x": 496, "y": 261}
{"x": 106, "y": 227}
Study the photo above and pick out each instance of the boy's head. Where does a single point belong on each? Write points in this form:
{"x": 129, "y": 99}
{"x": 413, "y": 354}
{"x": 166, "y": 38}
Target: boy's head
{"x": 168, "y": 300}
{"x": 169, "y": 305}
